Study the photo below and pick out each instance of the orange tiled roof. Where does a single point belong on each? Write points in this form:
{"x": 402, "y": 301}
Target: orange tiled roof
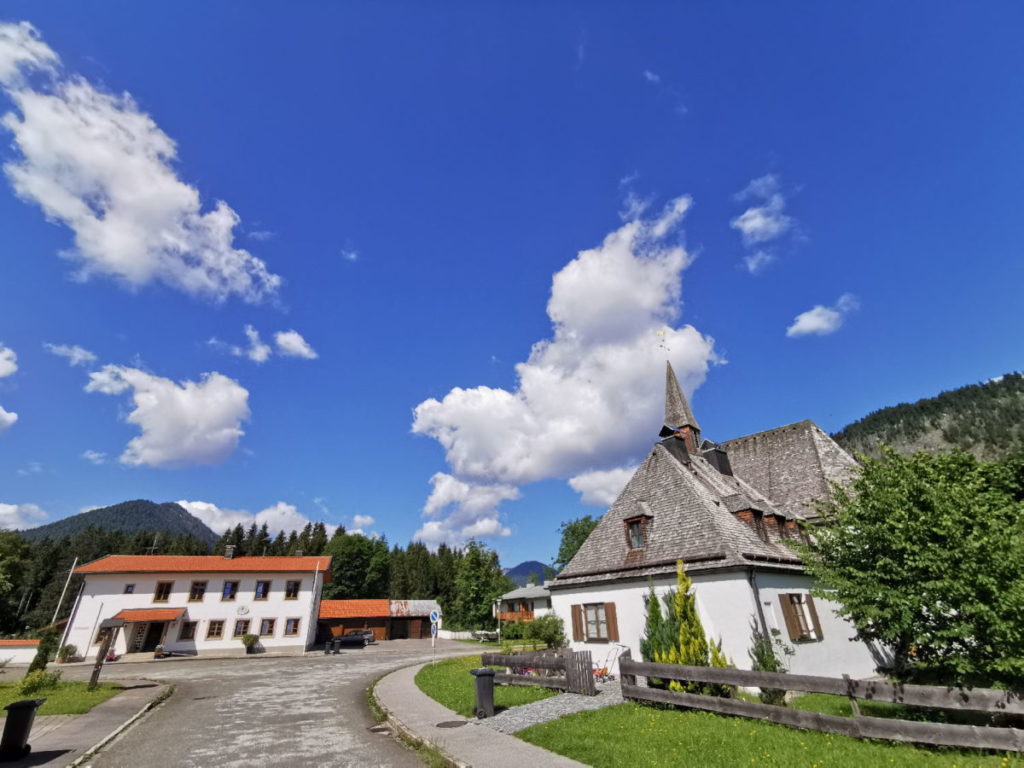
{"x": 17, "y": 641}
{"x": 352, "y": 609}
{"x": 150, "y": 614}
{"x": 202, "y": 563}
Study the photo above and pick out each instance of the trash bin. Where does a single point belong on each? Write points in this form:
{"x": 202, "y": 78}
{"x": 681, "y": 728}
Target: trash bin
{"x": 20, "y": 716}
{"x": 336, "y": 646}
{"x": 484, "y": 692}
{"x": 327, "y": 646}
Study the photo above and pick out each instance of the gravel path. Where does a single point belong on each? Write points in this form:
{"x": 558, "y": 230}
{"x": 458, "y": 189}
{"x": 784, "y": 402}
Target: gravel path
{"x": 516, "y": 718}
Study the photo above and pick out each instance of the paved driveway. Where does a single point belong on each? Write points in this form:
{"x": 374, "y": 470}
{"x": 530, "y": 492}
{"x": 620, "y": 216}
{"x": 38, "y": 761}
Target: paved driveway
{"x": 300, "y": 711}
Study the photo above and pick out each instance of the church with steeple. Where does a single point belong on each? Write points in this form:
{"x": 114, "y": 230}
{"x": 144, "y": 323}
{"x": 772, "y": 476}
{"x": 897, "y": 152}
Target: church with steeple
{"x": 731, "y": 512}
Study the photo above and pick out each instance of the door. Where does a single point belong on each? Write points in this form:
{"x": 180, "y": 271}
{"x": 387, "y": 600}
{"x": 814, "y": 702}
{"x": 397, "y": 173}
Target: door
{"x": 153, "y": 636}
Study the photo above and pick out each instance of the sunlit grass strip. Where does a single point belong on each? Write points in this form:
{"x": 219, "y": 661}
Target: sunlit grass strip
{"x": 449, "y": 683}
{"x": 68, "y": 698}
{"x": 636, "y": 735}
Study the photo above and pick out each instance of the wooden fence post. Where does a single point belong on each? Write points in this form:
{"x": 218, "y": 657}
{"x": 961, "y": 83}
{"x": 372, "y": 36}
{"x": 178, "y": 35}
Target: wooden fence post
{"x": 623, "y": 677}
{"x": 579, "y": 673}
{"x": 850, "y": 695}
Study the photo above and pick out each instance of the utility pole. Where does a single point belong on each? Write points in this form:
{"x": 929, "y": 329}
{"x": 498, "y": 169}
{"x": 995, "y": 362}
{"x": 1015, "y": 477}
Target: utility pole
{"x": 64, "y": 591}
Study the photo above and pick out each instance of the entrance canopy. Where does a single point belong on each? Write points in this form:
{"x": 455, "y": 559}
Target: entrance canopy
{"x": 150, "y": 614}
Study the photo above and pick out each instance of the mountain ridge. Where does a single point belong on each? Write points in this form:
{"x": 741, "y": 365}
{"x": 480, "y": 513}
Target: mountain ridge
{"x": 986, "y": 419}
{"x": 129, "y": 517}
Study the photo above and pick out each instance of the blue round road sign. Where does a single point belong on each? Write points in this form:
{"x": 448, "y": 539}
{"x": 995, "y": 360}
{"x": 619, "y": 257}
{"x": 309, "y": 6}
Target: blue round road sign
{"x": 434, "y": 616}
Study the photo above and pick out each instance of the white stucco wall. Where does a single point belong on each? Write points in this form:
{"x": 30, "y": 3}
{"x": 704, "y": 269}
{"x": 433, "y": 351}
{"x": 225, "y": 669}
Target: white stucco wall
{"x": 18, "y": 654}
{"x": 103, "y": 597}
{"x": 837, "y": 653}
{"x": 726, "y": 605}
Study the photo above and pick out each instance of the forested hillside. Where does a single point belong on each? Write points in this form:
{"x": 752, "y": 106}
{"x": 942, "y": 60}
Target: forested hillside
{"x": 986, "y": 419}
{"x": 128, "y": 517}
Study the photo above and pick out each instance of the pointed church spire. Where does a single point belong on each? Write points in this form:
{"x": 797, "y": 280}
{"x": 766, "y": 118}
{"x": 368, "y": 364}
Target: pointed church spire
{"x": 677, "y": 410}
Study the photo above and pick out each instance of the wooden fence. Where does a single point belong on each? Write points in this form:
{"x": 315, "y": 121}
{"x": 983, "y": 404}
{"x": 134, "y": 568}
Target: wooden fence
{"x": 945, "y": 734}
{"x": 576, "y": 668}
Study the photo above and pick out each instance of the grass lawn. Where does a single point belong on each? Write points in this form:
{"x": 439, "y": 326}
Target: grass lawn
{"x": 66, "y": 699}
{"x": 449, "y": 683}
{"x": 636, "y": 735}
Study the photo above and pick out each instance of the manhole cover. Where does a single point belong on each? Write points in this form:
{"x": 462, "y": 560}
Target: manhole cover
{"x": 452, "y": 723}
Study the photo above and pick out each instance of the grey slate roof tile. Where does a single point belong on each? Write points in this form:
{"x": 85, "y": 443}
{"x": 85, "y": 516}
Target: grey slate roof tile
{"x": 792, "y": 465}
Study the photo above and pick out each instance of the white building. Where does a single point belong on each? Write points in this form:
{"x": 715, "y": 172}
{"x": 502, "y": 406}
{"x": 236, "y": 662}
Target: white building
{"x": 686, "y": 502}
{"x": 198, "y": 604}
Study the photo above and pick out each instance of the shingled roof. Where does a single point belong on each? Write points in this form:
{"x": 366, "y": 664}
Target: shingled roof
{"x": 688, "y": 518}
{"x": 792, "y": 465}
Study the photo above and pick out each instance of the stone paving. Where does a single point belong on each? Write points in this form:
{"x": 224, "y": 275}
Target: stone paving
{"x": 251, "y": 712}
{"x": 517, "y": 718}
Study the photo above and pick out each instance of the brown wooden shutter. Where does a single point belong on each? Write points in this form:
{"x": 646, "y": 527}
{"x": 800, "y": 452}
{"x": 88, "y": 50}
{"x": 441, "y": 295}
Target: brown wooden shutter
{"x": 789, "y": 614}
{"x": 612, "y": 622}
{"x": 814, "y": 617}
{"x": 577, "y": 623}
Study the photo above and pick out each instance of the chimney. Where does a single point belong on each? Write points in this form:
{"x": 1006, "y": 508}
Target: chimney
{"x": 719, "y": 459}
{"x": 229, "y": 551}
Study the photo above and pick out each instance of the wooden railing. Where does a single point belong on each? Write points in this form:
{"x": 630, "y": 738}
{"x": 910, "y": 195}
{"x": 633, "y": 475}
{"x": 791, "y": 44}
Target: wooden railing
{"x": 537, "y": 669}
{"x": 946, "y": 734}
{"x": 515, "y": 615}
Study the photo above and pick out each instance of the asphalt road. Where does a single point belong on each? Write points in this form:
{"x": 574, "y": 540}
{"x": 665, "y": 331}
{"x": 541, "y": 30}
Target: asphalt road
{"x": 301, "y": 711}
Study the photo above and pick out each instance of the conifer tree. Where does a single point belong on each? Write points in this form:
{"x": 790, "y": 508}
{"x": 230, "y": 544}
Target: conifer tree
{"x": 691, "y": 647}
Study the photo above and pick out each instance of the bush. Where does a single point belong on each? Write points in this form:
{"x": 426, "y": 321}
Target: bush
{"x": 767, "y": 654}
{"x": 547, "y": 629}
{"x": 513, "y": 631}
{"x": 48, "y": 642}
{"x": 67, "y": 652}
{"x": 39, "y": 680}
{"x": 250, "y": 641}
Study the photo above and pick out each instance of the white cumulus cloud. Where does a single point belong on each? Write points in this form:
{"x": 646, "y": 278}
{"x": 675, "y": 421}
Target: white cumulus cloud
{"x": 96, "y": 163}
{"x": 767, "y": 220}
{"x": 8, "y": 361}
{"x": 7, "y": 419}
{"x": 22, "y": 50}
{"x": 590, "y": 397}
{"x": 257, "y": 351}
{"x": 278, "y": 517}
{"x": 601, "y": 488}
{"x": 467, "y": 510}
{"x": 94, "y": 457}
{"x": 821, "y": 320}
{"x": 75, "y": 354}
{"x": 182, "y": 423}
{"x": 20, "y": 516}
{"x": 755, "y": 262}
{"x": 291, "y": 344}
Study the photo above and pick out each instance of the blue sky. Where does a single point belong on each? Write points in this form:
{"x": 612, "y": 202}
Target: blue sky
{"x": 408, "y": 182}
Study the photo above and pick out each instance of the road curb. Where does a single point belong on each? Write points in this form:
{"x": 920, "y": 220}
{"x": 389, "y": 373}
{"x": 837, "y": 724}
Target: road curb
{"x": 161, "y": 697}
{"x": 406, "y": 734}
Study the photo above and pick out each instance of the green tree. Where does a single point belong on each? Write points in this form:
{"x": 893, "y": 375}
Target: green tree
{"x": 574, "y": 533}
{"x": 691, "y": 647}
{"x": 925, "y": 556}
{"x": 358, "y": 567}
{"x": 478, "y": 581}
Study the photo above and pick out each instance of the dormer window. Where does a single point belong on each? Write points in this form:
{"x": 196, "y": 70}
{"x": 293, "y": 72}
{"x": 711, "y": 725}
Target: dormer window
{"x": 636, "y": 532}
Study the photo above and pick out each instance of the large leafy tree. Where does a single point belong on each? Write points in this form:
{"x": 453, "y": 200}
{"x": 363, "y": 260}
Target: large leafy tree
{"x": 478, "y": 581}
{"x": 925, "y": 556}
{"x": 574, "y": 533}
{"x": 359, "y": 567}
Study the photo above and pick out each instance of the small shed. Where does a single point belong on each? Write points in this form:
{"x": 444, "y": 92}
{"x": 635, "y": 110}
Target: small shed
{"x": 389, "y": 619}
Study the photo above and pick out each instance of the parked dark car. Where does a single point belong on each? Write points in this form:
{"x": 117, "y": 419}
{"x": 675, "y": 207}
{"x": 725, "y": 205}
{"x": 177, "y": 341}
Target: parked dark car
{"x": 356, "y": 638}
